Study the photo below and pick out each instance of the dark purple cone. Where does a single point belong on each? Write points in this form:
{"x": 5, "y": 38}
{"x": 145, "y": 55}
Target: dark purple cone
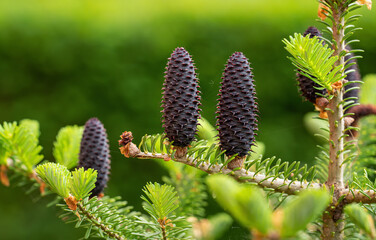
{"x": 181, "y": 100}
{"x": 237, "y": 107}
{"x": 312, "y": 31}
{"x": 95, "y": 153}
{"x": 308, "y": 87}
{"x": 352, "y": 76}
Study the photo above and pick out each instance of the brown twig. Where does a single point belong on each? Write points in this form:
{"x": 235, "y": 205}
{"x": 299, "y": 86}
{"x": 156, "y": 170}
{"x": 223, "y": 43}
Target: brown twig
{"x": 241, "y": 175}
{"x": 163, "y": 223}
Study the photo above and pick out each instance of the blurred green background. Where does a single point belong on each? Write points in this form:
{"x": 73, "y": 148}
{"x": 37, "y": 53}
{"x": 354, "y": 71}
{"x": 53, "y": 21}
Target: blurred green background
{"x": 62, "y": 62}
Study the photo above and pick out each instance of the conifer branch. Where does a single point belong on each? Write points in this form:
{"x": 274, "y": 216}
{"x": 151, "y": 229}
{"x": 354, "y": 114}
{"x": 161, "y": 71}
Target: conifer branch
{"x": 241, "y": 175}
{"x": 359, "y": 196}
{"x": 97, "y": 222}
{"x": 32, "y": 177}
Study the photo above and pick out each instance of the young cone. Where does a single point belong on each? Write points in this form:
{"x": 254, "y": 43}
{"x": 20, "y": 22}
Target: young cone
{"x": 181, "y": 100}
{"x": 308, "y": 87}
{"x": 237, "y": 109}
{"x": 95, "y": 153}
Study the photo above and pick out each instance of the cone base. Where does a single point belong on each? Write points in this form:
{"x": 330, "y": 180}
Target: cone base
{"x": 236, "y": 163}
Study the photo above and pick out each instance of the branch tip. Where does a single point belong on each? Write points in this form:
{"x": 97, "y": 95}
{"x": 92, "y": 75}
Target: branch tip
{"x": 128, "y": 149}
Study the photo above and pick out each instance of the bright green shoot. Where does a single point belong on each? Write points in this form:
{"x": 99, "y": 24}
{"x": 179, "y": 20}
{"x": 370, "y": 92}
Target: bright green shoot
{"x": 32, "y": 125}
{"x": 314, "y": 59}
{"x": 20, "y": 142}
{"x": 67, "y": 146}
{"x": 56, "y": 176}
{"x": 3, "y": 154}
{"x": 82, "y": 182}
{"x": 160, "y": 200}
{"x": 79, "y": 183}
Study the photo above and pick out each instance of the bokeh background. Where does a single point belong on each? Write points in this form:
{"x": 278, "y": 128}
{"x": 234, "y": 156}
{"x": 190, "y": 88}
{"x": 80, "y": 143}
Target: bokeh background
{"x": 62, "y": 62}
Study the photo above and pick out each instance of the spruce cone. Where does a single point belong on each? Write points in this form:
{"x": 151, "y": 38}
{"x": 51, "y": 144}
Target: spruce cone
{"x": 312, "y": 31}
{"x": 352, "y": 76}
{"x": 181, "y": 100}
{"x": 237, "y": 107}
{"x": 95, "y": 153}
{"x": 306, "y": 85}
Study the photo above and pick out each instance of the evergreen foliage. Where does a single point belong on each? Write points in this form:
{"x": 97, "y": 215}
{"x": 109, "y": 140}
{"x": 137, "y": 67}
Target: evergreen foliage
{"x": 106, "y": 218}
{"x": 56, "y": 176}
{"x": 366, "y": 149}
{"x": 362, "y": 219}
{"x": 338, "y": 201}
{"x": 308, "y": 88}
{"x": 21, "y": 143}
{"x": 67, "y": 146}
{"x": 314, "y": 59}
{"x": 78, "y": 183}
{"x": 160, "y": 201}
{"x": 190, "y": 187}
{"x": 200, "y": 153}
{"x": 32, "y": 125}
{"x": 82, "y": 182}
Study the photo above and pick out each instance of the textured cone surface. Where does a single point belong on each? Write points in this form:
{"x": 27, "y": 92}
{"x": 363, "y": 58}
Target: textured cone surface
{"x": 308, "y": 87}
{"x": 352, "y": 76}
{"x": 312, "y": 31}
{"x": 237, "y": 107}
{"x": 180, "y": 101}
{"x": 94, "y": 153}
